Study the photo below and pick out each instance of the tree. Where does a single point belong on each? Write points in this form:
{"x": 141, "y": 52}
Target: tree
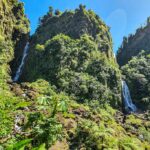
{"x": 57, "y": 12}
{"x": 51, "y": 11}
{"x": 148, "y": 20}
{"x": 82, "y": 7}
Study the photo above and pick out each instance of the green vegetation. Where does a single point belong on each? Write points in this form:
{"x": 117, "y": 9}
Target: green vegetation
{"x": 53, "y": 117}
{"x": 13, "y": 25}
{"x": 73, "y": 51}
{"x": 138, "y": 77}
{"x": 76, "y": 67}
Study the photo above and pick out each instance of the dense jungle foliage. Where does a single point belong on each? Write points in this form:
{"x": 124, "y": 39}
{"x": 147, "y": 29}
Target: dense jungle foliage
{"x": 74, "y": 61}
{"x": 137, "y": 74}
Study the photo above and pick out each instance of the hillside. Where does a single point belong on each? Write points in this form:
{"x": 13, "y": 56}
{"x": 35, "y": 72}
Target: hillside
{"x": 77, "y": 59}
{"x": 68, "y": 96}
{"x": 134, "y": 44}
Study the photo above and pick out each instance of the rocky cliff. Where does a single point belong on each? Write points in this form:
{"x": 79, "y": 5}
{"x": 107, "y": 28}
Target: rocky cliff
{"x": 74, "y": 24}
{"x": 14, "y": 32}
{"x": 132, "y": 45}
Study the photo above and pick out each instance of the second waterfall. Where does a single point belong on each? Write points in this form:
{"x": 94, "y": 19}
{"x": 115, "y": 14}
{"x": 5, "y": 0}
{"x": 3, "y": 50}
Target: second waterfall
{"x": 128, "y": 104}
{"x": 19, "y": 70}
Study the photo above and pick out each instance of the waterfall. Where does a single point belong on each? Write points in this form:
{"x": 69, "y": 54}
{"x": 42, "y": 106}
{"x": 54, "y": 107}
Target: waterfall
{"x": 128, "y": 104}
{"x": 19, "y": 70}
{"x": 114, "y": 55}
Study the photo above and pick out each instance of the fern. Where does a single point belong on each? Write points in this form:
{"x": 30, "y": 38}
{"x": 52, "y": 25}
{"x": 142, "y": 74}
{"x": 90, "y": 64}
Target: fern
{"x": 20, "y": 145}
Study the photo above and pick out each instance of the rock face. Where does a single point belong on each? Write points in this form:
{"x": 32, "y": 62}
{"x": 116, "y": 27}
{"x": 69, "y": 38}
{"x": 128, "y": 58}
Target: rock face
{"x": 133, "y": 44}
{"x": 74, "y": 24}
{"x": 73, "y": 51}
{"x": 14, "y": 29}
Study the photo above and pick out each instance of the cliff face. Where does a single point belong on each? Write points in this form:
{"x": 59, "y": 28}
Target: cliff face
{"x": 75, "y": 24}
{"x": 73, "y": 51}
{"x": 133, "y": 44}
{"x": 14, "y": 29}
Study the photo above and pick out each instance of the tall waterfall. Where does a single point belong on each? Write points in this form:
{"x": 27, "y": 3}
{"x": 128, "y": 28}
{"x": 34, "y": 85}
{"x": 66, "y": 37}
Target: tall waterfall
{"x": 19, "y": 70}
{"x": 128, "y": 104}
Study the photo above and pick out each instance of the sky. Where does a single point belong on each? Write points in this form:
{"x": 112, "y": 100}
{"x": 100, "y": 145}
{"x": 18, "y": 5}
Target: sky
{"x": 123, "y": 16}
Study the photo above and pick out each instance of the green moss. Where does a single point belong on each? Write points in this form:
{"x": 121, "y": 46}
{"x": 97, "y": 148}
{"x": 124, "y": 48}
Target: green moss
{"x": 129, "y": 143}
{"x": 134, "y": 121}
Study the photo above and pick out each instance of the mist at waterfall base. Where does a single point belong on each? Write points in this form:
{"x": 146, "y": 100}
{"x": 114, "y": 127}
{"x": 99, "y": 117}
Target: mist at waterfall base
{"x": 127, "y": 101}
{"x": 19, "y": 70}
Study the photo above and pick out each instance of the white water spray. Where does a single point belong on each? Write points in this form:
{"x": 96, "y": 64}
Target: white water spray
{"x": 129, "y": 106}
{"x": 19, "y": 70}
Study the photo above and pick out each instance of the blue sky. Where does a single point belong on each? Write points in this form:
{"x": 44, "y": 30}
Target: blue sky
{"x": 123, "y": 16}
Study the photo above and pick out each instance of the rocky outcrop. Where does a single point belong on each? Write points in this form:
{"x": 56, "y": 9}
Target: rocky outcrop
{"x": 14, "y": 29}
{"x": 75, "y": 24}
{"x": 132, "y": 45}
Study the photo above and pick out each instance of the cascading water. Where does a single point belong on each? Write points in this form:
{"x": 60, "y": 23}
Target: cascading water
{"x": 128, "y": 104}
{"x": 19, "y": 70}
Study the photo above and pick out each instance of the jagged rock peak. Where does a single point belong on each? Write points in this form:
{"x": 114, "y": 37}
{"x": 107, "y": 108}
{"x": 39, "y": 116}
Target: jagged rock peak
{"x": 134, "y": 44}
{"x": 74, "y": 24}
